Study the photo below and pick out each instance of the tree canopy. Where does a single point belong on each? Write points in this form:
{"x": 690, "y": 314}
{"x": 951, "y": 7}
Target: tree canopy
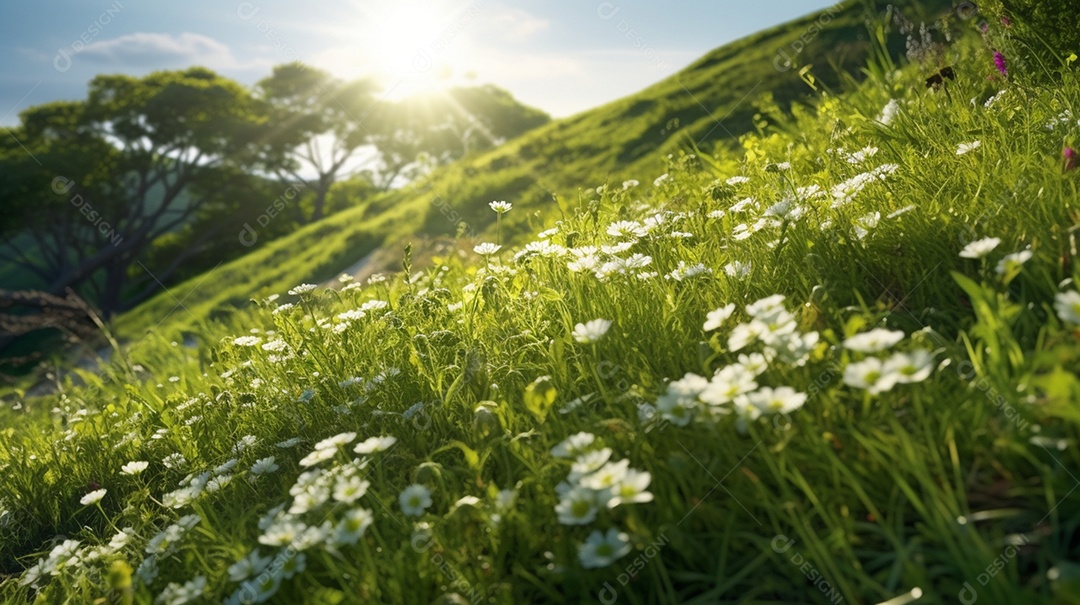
{"x": 150, "y": 178}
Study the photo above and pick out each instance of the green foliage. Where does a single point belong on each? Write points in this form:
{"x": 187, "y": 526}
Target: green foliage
{"x": 90, "y": 185}
{"x": 1048, "y": 29}
{"x": 309, "y": 106}
{"x": 348, "y": 194}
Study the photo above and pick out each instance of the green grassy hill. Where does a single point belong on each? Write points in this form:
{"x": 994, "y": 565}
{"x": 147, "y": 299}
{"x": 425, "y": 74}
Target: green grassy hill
{"x": 707, "y": 105}
{"x": 836, "y": 364}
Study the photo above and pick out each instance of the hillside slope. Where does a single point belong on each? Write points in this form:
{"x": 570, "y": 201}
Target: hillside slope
{"x": 707, "y": 104}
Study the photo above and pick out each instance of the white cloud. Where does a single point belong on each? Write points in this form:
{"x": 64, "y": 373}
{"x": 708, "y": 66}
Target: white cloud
{"x": 511, "y": 23}
{"x": 161, "y": 50}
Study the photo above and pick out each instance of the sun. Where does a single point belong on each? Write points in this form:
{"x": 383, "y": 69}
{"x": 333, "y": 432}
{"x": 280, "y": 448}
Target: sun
{"x": 411, "y": 47}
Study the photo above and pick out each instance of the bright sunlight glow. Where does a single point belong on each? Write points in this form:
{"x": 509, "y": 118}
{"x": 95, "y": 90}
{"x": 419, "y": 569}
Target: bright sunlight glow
{"x": 412, "y": 46}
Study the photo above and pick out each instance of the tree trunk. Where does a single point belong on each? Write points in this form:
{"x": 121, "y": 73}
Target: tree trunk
{"x": 112, "y": 292}
{"x": 318, "y": 207}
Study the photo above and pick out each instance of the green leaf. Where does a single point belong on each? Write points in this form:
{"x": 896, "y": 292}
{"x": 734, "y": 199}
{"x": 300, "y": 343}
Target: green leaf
{"x": 539, "y": 397}
{"x": 471, "y": 457}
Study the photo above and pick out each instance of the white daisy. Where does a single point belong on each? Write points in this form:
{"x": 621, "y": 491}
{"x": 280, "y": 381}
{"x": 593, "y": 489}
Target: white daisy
{"x": 1013, "y": 262}
{"x": 181, "y": 594}
{"x": 245, "y": 442}
{"x": 781, "y": 400}
{"x": 375, "y": 444}
{"x": 684, "y": 271}
{"x": 312, "y": 536}
{"x": 980, "y": 247}
{"x": 574, "y": 445}
{"x": 578, "y": 506}
{"x": 302, "y": 289}
{"x": 589, "y": 462}
{"x": 766, "y": 308}
{"x": 591, "y": 331}
{"x": 716, "y": 318}
{"x": 374, "y": 305}
{"x": 318, "y": 456}
{"x": 878, "y": 339}
{"x": 968, "y": 147}
{"x": 275, "y": 346}
{"x": 121, "y": 539}
{"x": 689, "y": 386}
{"x": 352, "y": 526}
{"x": 258, "y": 590}
{"x": 174, "y": 461}
{"x": 910, "y": 367}
{"x": 727, "y": 384}
{"x": 282, "y": 532}
{"x": 134, "y": 468}
{"x": 251, "y": 565}
{"x": 626, "y": 229}
{"x": 606, "y": 476}
{"x": 350, "y": 488}
{"x": 672, "y": 408}
{"x": 487, "y": 249}
{"x": 631, "y": 489}
{"x": 218, "y": 483}
{"x": 501, "y": 207}
{"x": 870, "y": 375}
{"x": 754, "y": 363}
{"x": 225, "y": 467}
{"x": 603, "y": 549}
{"x": 264, "y": 466}
{"x": 290, "y": 563}
{"x": 246, "y": 341}
{"x": 745, "y": 334}
{"x": 414, "y": 500}
{"x": 1068, "y": 306}
{"x": 737, "y": 269}
{"x": 93, "y": 497}
{"x": 889, "y": 112}
{"x": 147, "y": 571}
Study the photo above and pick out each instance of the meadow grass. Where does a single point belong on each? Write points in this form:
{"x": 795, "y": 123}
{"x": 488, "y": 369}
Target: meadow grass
{"x": 805, "y": 372}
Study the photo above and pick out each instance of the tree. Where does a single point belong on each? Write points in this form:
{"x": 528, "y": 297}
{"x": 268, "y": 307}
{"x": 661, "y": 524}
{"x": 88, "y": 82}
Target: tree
{"x": 432, "y": 130}
{"x": 485, "y": 117}
{"x": 319, "y": 129}
{"x": 89, "y": 185}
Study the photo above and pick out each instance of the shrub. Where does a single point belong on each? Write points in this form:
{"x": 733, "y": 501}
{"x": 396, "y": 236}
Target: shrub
{"x": 1047, "y": 29}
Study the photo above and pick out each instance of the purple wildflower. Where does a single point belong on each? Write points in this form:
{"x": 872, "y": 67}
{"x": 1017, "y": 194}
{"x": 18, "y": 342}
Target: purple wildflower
{"x": 999, "y": 60}
{"x": 1070, "y": 159}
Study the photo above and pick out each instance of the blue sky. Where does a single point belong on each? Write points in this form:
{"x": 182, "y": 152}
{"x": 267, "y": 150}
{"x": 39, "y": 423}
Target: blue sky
{"x": 562, "y": 56}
